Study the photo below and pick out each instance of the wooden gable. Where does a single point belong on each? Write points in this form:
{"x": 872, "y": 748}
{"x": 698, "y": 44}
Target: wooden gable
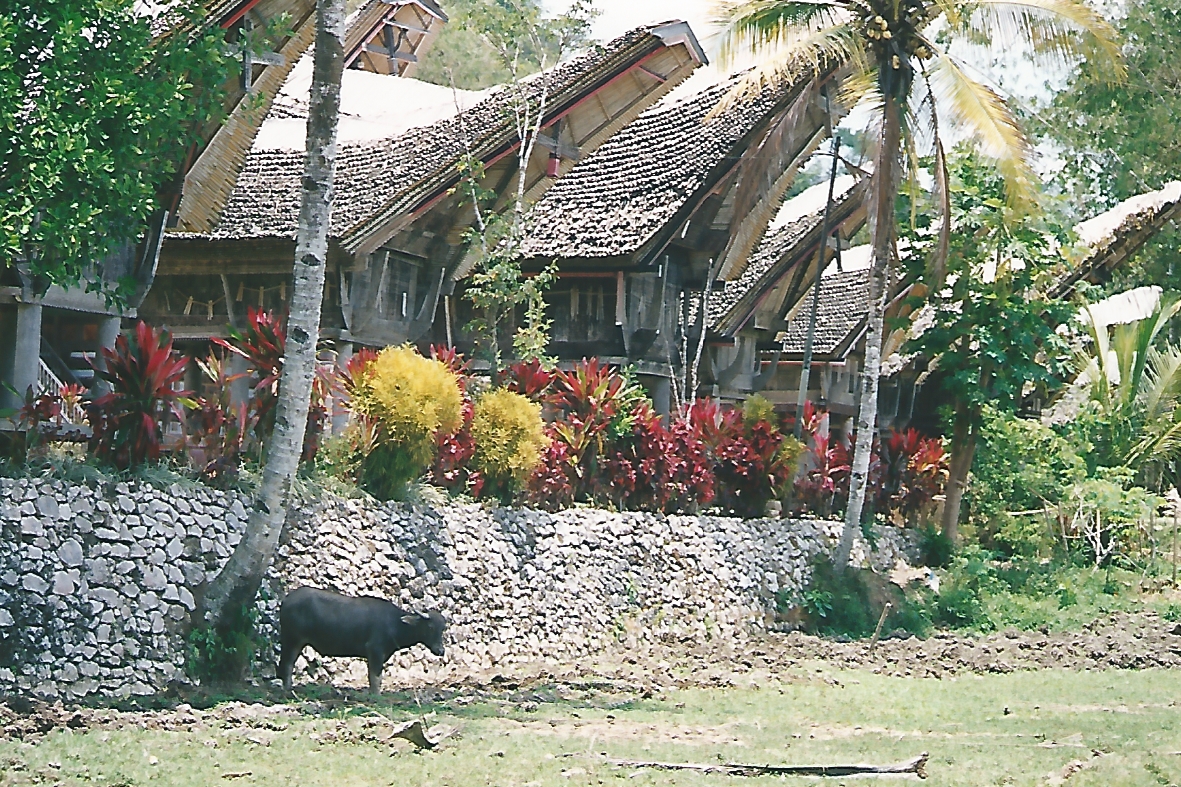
{"x": 393, "y": 37}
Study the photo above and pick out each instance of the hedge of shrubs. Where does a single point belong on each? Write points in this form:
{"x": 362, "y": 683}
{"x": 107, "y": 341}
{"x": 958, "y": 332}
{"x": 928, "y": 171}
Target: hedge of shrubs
{"x": 548, "y": 438}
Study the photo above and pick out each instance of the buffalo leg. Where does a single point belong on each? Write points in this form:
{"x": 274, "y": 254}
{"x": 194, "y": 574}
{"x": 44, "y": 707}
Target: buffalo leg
{"x": 375, "y": 668}
{"x": 290, "y": 653}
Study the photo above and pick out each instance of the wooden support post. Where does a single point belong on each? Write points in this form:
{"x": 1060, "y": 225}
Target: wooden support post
{"x": 340, "y": 415}
{"x": 108, "y": 332}
{"x": 1175, "y": 545}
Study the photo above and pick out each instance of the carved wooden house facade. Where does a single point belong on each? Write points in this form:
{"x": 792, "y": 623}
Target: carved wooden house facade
{"x": 397, "y": 233}
{"x": 673, "y": 204}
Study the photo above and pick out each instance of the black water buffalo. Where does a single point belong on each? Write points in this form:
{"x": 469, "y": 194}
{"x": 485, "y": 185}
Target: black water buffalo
{"x": 367, "y": 627}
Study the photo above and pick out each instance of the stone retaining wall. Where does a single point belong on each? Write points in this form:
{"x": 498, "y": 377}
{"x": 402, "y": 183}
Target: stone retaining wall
{"x": 97, "y": 582}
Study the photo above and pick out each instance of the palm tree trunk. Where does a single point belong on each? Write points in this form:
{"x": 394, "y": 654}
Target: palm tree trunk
{"x": 963, "y": 449}
{"x": 883, "y": 196}
{"x": 238, "y": 582}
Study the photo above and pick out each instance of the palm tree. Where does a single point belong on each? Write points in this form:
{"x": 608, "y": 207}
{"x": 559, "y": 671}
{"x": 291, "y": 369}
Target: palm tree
{"x": 910, "y": 83}
{"x": 236, "y": 585}
{"x": 1137, "y": 387}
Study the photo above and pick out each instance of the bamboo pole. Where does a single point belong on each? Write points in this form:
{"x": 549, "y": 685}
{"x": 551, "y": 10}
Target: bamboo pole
{"x": 877, "y": 632}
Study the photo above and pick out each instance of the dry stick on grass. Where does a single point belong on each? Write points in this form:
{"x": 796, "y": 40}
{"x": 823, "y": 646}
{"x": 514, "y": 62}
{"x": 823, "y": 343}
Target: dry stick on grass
{"x": 917, "y": 766}
{"x": 877, "y": 632}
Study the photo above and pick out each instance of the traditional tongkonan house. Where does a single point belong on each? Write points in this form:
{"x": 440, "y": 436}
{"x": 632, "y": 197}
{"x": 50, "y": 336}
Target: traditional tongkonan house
{"x": 398, "y": 225}
{"x": 748, "y": 317}
{"x": 671, "y": 205}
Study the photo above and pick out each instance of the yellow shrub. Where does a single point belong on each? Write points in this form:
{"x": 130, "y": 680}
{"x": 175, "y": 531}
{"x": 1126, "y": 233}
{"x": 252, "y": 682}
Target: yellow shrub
{"x": 412, "y": 399}
{"x": 758, "y": 408}
{"x": 509, "y": 437}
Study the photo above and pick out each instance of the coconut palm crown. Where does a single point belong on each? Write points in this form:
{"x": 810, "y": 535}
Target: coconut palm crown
{"x": 897, "y": 62}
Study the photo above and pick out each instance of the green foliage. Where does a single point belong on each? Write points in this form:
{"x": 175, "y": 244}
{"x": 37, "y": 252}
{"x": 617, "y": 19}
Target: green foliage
{"x": 935, "y": 548}
{"x": 992, "y": 328}
{"x": 223, "y": 655}
{"x": 850, "y": 603}
{"x": 486, "y": 42}
{"x": 509, "y": 436}
{"x": 980, "y": 592}
{"x": 1020, "y": 465}
{"x": 95, "y": 116}
{"x": 410, "y": 400}
{"x": 1118, "y": 141}
{"x": 758, "y": 408}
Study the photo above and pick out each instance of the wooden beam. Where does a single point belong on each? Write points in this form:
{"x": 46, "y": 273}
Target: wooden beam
{"x": 403, "y": 26}
{"x": 237, "y": 14}
{"x": 651, "y": 73}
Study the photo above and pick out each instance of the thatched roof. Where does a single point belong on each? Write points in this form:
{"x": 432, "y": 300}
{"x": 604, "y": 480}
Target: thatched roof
{"x": 378, "y": 179}
{"x": 651, "y": 174}
{"x": 1114, "y": 235}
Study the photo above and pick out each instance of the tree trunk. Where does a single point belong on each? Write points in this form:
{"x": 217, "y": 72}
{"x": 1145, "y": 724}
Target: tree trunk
{"x": 963, "y": 449}
{"x": 883, "y": 194}
{"x": 238, "y": 582}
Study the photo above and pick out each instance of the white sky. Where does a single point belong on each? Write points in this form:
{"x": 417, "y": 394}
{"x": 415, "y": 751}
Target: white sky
{"x": 1001, "y": 67}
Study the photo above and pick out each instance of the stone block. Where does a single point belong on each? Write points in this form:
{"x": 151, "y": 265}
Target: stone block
{"x": 63, "y": 584}
{"x": 34, "y": 583}
{"x": 154, "y": 579}
{"x": 70, "y": 553}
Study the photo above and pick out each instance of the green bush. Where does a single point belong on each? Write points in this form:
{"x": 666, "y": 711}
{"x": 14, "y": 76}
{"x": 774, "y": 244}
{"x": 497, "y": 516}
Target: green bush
{"x": 850, "y": 603}
{"x": 935, "y": 548}
{"x": 224, "y": 655}
{"x": 1020, "y": 465}
{"x": 411, "y": 400}
{"x": 509, "y": 437}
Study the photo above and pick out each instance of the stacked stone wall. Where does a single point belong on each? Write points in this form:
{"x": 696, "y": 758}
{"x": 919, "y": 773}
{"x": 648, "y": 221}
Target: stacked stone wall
{"x": 98, "y": 581}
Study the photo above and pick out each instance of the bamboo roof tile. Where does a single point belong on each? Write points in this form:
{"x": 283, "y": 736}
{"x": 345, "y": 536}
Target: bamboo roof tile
{"x": 378, "y": 179}
{"x": 614, "y": 201}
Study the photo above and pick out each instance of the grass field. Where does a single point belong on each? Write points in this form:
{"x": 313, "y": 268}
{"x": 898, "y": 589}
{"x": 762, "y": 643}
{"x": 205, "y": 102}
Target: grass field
{"x": 1017, "y": 729}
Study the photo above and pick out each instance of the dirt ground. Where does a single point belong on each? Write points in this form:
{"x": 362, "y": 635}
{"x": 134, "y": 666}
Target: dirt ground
{"x": 1121, "y": 641}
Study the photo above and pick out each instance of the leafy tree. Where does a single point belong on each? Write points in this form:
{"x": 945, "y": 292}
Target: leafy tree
{"x": 490, "y": 42}
{"x": 1120, "y": 140}
{"x": 911, "y": 83}
{"x": 1020, "y": 465}
{"x": 989, "y": 328}
{"x": 514, "y": 31}
{"x": 96, "y": 112}
{"x": 234, "y": 588}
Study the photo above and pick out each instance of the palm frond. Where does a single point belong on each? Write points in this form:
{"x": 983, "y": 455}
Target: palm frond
{"x": 1059, "y": 31}
{"x": 860, "y": 89}
{"x": 937, "y": 265}
{"x": 807, "y": 53}
{"x": 983, "y": 114}
{"x": 1162, "y": 389}
{"x": 1097, "y": 366}
{"x": 1161, "y": 442}
{"x": 748, "y": 26}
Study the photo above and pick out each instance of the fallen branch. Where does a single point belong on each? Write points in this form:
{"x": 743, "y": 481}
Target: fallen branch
{"x": 916, "y": 766}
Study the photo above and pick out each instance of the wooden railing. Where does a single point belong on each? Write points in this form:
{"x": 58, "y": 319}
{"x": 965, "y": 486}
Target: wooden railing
{"x": 48, "y": 382}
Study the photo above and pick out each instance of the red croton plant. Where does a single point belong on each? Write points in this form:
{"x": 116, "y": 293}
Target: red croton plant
{"x": 261, "y": 344}
{"x": 142, "y": 371}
